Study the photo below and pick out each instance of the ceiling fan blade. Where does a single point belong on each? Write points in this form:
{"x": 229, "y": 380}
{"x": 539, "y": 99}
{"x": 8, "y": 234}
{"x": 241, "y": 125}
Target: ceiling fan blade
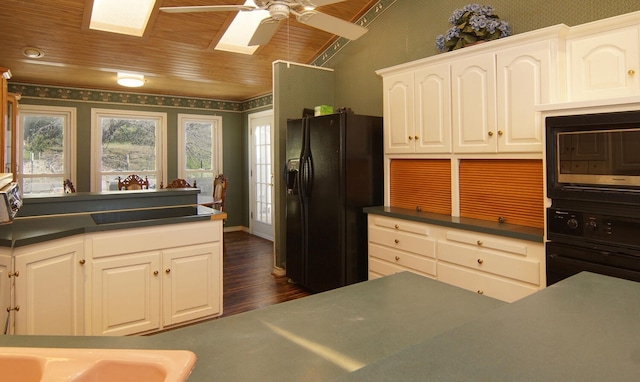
{"x": 331, "y": 24}
{"x": 264, "y": 32}
{"x": 208, "y": 8}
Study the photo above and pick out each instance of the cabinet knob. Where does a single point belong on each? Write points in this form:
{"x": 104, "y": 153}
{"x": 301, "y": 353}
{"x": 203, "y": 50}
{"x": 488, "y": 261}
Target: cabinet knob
{"x": 490, "y": 133}
{"x": 500, "y": 132}
{"x": 480, "y": 261}
{"x": 410, "y": 137}
{"x": 16, "y": 308}
{"x": 82, "y": 261}
{"x": 155, "y": 273}
{"x": 397, "y": 258}
{"x": 480, "y": 292}
{"x": 397, "y": 226}
{"x": 13, "y": 274}
{"x": 397, "y": 241}
{"x": 168, "y": 270}
{"x": 416, "y": 137}
{"x": 479, "y": 242}
{"x": 631, "y": 72}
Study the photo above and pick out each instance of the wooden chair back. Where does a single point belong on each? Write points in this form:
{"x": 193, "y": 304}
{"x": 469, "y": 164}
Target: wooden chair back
{"x": 179, "y": 183}
{"x": 219, "y": 191}
{"x": 67, "y": 185}
{"x": 133, "y": 182}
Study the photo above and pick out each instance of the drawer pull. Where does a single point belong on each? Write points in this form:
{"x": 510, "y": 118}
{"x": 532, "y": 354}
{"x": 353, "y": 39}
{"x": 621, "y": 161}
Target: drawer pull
{"x": 631, "y": 72}
{"x": 397, "y": 258}
{"x": 397, "y": 241}
{"x": 480, "y": 261}
{"x": 82, "y": 262}
{"x": 480, "y": 292}
{"x": 397, "y": 226}
{"x": 479, "y": 242}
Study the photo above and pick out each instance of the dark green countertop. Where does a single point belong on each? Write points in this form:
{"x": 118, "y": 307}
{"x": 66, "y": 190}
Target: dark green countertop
{"x": 406, "y": 327}
{"x": 494, "y": 228}
{"x": 56, "y": 216}
{"x": 316, "y": 338}
{"x": 584, "y": 328}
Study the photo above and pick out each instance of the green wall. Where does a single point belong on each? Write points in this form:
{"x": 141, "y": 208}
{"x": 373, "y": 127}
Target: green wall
{"x": 407, "y": 29}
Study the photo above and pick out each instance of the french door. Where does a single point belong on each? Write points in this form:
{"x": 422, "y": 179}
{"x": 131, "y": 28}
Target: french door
{"x": 261, "y": 174}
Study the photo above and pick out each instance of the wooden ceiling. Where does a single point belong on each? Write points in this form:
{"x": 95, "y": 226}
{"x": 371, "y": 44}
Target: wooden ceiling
{"x": 175, "y": 54}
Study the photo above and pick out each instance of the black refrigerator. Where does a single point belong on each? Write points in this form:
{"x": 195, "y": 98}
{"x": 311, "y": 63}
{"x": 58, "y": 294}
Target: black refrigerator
{"x": 334, "y": 168}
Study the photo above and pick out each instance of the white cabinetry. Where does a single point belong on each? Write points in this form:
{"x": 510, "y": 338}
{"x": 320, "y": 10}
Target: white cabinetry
{"x": 506, "y": 269}
{"x": 604, "y": 64}
{"x": 503, "y": 268}
{"x": 6, "y": 269}
{"x": 474, "y": 104}
{"x": 417, "y": 108}
{"x": 399, "y": 245}
{"x": 148, "y": 279}
{"x": 49, "y": 288}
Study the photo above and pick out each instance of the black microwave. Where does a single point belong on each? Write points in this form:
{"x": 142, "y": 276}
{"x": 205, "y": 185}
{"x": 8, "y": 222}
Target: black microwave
{"x": 594, "y": 157}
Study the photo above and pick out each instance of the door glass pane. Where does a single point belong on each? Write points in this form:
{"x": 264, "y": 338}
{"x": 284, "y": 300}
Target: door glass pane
{"x": 262, "y": 177}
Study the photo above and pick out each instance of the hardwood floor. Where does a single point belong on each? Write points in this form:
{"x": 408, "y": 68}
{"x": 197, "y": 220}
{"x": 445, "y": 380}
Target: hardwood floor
{"x": 247, "y": 279}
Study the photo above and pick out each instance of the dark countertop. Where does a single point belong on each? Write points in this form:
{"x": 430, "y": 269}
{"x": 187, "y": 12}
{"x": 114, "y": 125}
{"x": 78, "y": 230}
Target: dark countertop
{"x": 406, "y": 327}
{"x": 494, "y": 228}
{"x": 584, "y": 328}
{"x": 320, "y": 337}
{"x": 56, "y": 216}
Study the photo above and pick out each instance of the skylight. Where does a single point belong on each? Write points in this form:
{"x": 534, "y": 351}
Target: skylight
{"x": 121, "y": 16}
{"x": 236, "y": 38}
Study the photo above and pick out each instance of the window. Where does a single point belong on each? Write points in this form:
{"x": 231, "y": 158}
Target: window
{"x": 200, "y": 151}
{"x": 126, "y": 142}
{"x": 46, "y": 148}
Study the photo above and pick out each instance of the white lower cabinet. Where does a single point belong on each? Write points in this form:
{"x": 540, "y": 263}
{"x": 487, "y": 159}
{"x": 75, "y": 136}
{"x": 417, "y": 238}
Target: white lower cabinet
{"x": 400, "y": 245}
{"x": 49, "y": 288}
{"x": 148, "y": 279}
{"x": 496, "y": 266}
{"x": 6, "y": 269}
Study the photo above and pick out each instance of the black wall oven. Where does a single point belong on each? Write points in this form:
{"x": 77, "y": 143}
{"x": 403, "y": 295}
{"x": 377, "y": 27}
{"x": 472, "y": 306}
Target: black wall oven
{"x": 593, "y": 180}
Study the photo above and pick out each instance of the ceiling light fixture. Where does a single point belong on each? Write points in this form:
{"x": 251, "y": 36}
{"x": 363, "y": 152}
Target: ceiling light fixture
{"x": 32, "y": 52}
{"x": 130, "y": 80}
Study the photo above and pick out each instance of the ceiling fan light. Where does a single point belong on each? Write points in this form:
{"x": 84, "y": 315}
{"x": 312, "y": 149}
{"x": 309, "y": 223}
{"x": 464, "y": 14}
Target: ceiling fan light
{"x": 130, "y": 80}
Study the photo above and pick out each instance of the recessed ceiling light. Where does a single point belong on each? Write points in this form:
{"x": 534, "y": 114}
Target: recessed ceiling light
{"x": 121, "y": 16}
{"x": 32, "y": 52}
{"x": 130, "y": 80}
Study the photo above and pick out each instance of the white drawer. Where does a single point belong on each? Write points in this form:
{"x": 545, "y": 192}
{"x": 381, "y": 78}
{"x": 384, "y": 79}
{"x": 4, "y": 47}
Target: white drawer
{"x": 518, "y": 268}
{"x": 483, "y": 283}
{"x": 403, "y": 241}
{"x": 406, "y": 260}
{"x": 515, "y": 246}
{"x": 379, "y": 267}
{"x": 399, "y": 225}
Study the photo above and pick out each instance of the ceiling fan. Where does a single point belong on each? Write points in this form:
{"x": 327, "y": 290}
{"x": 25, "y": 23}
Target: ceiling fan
{"x": 304, "y": 10}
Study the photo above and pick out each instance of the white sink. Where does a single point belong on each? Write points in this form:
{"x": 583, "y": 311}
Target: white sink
{"x": 94, "y": 365}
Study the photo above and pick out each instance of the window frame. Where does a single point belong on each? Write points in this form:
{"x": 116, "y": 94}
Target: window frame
{"x": 69, "y": 114}
{"x": 216, "y": 122}
{"x": 96, "y": 141}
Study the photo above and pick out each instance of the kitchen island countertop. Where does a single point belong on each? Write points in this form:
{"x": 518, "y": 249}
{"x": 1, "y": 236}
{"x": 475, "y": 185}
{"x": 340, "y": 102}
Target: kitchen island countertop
{"x": 406, "y": 327}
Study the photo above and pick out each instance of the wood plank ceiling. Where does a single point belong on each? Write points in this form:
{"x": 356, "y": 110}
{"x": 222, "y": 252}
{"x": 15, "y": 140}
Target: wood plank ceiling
{"x": 176, "y": 53}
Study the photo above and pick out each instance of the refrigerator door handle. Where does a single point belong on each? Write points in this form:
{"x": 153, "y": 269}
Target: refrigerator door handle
{"x": 306, "y": 176}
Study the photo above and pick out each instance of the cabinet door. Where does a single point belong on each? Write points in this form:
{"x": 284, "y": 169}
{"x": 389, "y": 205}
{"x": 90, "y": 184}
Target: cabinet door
{"x": 191, "y": 285}
{"x": 433, "y": 109}
{"x": 604, "y": 65}
{"x": 49, "y": 288}
{"x": 523, "y": 81}
{"x": 5, "y": 285}
{"x": 473, "y": 93}
{"x": 126, "y": 294}
{"x": 398, "y": 100}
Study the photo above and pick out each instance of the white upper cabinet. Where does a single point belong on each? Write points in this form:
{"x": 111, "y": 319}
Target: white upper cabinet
{"x": 474, "y": 104}
{"x": 433, "y": 109}
{"x": 604, "y": 64}
{"x": 527, "y": 76}
{"x": 398, "y": 121}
